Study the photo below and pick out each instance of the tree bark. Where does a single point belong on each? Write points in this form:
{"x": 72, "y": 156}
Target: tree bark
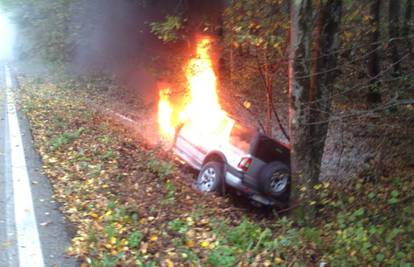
{"x": 406, "y": 30}
{"x": 300, "y": 55}
{"x": 374, "y": 96}
{"x": 311, "y": 84}
{"x": 393, "y": 30}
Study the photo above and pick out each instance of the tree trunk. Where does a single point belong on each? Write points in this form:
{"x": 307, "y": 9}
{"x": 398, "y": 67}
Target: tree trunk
{"x": 406, "y": 30}
{"x": 393, "y": 29}
{"x": 269, "y": 94}
{"x": 374, "y": 96}
{"x": 310, "y": 84}
{"x": 301, "y": 17}
{"x": 323, "y": 81}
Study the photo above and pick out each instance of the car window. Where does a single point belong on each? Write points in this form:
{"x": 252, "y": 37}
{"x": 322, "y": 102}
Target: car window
{"x": 269, "y": 150}
{"x": 241, "y": 137}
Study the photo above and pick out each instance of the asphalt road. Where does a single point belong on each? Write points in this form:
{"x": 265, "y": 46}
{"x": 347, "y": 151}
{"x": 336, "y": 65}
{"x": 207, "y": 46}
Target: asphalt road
{"x": 33, "y": 231}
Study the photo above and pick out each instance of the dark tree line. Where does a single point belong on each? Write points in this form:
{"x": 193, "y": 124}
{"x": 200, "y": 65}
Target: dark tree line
{"x": 314, "y": 39}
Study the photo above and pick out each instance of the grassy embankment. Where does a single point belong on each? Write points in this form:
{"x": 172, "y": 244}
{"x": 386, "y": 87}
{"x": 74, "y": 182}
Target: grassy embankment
{"x": 130, "y": 207}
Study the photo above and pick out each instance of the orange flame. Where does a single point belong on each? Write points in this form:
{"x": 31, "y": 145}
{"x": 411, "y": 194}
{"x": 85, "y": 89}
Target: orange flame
{"x": 202, "y": 114}
{"x": 165, "y": 112}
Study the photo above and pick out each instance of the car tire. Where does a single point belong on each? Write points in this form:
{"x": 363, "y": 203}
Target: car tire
{"x": 211, "y": 177}
{"x": 274, "y": 180}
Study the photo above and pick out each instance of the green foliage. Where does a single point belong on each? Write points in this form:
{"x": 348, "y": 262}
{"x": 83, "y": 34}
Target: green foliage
{"x": 170, "y": 193}
{"x": 107, "y": 155}
{"x": 178, "y": 225}
{"x": 259, "y": 24}
{"x": 109, "y": 261}
{"x": 66, "y": 138}
{"x": 168, "y": 30}
{"x": 222, "y": 256}
{"x": 244, "y": 235}
{"x": 134, "y": 239}
{"x": 158, "y": 166}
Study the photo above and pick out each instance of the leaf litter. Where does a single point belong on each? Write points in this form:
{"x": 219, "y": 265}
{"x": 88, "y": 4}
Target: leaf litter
{"x": 131, "y": 203}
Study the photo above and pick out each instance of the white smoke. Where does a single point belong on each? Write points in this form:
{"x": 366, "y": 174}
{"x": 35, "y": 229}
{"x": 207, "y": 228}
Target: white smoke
{"x": 7, "y": 35}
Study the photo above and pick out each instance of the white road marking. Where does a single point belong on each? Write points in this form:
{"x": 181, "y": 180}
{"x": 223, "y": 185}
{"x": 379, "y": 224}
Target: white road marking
{"x": 29, "y": 248}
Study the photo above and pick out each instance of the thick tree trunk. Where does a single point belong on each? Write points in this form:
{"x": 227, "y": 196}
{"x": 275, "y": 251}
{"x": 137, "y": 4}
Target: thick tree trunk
{"x": 374, "y": 96}
{"x": 311, "y": 84}
{"x": 394, "y": 29}
{"x": 407, "y": 27}
{"x": 303, "y": 179}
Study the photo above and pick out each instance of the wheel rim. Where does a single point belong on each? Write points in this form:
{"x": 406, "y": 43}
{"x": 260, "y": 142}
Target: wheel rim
{"x": 278, "y": 182}
{"x": 207, "y": 179}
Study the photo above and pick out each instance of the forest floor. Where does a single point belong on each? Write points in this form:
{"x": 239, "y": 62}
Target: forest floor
{"x": 132, "y": 203}
{"x": 352, "y": 144}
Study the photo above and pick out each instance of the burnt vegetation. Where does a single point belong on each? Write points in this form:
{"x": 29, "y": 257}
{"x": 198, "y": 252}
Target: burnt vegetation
{"x": 332, "y": 79}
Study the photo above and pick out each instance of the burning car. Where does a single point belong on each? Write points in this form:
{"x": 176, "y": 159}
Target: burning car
{"x": 249, "y": 161}
{"x": 225, "y": 151}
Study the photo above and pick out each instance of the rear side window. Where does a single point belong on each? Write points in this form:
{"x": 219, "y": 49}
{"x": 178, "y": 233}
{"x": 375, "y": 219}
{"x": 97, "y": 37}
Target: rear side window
{"x": 269, "y": 150}
{"x": 241, "y": 137}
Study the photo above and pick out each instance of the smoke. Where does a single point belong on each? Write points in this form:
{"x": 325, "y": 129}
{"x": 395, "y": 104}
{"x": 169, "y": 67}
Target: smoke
{"x": 7, "y": 36}
{"x": 113, "y": 37}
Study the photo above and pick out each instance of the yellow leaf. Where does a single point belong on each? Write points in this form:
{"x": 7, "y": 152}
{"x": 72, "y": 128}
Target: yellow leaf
{"x": 108, "y": 213}
{"x": 153, "y": 238}
{"x": 113, "y": 240}
{"x": 169, "y": 263}
{"x": 204, "y": 244}
{"x": 278, "y": 260}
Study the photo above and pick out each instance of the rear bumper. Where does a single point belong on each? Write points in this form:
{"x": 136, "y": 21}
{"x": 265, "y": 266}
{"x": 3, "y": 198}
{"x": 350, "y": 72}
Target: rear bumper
{"x": 234, "y": 179}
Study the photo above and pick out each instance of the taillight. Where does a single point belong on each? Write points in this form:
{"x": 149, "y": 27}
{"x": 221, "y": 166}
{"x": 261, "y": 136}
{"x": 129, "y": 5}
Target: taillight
{"x": 245, "y": 163}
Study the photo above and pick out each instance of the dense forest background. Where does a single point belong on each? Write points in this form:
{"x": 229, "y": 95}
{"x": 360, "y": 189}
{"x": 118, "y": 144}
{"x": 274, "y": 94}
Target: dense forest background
{"x": 333, "y": 79}
{"x": 354, "y": 65}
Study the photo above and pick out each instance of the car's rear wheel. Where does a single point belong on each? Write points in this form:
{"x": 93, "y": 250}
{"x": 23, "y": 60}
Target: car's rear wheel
{"x": 210, "y": 178}
{"x": 275, "y": 180}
